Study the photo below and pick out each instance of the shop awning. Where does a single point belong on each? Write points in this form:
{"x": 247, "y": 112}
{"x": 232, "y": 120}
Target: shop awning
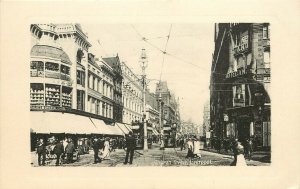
{"x": 106, "y": 129}
{"x": 101, "y": 126}
{"x": 57, "y": 122}
{"x": 124, "y": 129}
{"x": 115, "y": 130}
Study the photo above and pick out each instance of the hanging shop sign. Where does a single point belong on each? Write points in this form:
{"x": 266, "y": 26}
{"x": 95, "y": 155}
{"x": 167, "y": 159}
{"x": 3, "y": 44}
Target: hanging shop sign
{"x": 238, "y": 95}
{"x": 244, "y": 43}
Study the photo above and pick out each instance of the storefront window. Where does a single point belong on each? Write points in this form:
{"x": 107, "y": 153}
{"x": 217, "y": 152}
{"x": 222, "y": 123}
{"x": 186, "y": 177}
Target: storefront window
{"x": 37, "y": 69}
{"x": 36, "y": 94}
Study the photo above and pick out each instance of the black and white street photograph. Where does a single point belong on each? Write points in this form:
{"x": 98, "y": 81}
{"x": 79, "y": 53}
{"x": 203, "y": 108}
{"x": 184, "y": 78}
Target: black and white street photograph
{"x": 159, "y": 95}
{"x": 149, "y": 94}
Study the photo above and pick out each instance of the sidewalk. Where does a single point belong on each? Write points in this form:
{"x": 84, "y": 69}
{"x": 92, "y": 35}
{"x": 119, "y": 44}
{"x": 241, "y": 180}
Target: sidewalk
{"x": 261, "y": 156}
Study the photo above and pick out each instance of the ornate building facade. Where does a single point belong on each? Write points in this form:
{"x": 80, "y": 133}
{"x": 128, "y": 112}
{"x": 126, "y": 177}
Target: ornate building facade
{"x": 132, "y": 96}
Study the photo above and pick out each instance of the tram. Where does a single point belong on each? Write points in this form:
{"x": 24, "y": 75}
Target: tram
{"x": 138, "y": 132}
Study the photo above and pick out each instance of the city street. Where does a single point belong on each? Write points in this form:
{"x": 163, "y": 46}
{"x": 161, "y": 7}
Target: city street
{"x": 154, "y": 157}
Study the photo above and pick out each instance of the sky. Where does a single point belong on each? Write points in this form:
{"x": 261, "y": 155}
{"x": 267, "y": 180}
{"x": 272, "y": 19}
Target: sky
{"x": 185, "y": 67}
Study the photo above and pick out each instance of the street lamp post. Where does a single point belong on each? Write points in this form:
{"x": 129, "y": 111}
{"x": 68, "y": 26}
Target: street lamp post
{"x": 143, "y": 60}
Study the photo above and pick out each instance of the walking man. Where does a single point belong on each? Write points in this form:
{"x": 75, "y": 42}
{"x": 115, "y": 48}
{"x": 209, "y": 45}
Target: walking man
{"x": 96, "y": 147}
{"x": 70, "y": 148}
{"x": 41, "y": 151}
{"x": 130, "y": 146}
{"x": 58, "y": 151}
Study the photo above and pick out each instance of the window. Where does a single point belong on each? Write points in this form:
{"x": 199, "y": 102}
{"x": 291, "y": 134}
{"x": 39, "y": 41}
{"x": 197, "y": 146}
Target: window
{"x": 267, "y": 59}
{"x": 80, "y": 77}
{"x": 37, "y": 69}
{"x": 266, "y": 32}
{"x": 65, "y": 69}
{"x": 97, "y": 107}
{"x": 80, "y": 100}
{"x": 52, "y": 66}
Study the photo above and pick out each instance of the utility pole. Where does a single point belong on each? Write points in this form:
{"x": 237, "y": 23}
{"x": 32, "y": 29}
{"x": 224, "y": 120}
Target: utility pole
{"x": 144, "y": 64}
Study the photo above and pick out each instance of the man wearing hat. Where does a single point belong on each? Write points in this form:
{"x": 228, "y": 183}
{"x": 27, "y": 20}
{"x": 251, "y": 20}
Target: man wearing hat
{"x": 96, "y": 147}
{"x": 58, "y": 151}
{"x": 130, "y": 146}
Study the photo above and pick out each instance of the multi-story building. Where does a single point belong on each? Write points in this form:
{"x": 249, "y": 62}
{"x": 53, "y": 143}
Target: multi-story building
{"x": 100, "y": 88}
{"x": 152, "y": 112}
{"x": 58, "y": 56}
{"x": 169, "y": 110}
{"x": 115, "y": 64}
{"x": 240, "y": 79}
{"x": 132, "y": 96}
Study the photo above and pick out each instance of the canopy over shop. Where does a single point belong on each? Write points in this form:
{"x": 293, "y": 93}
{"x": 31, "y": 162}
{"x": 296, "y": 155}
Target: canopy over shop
{"x": 56, "y": 123}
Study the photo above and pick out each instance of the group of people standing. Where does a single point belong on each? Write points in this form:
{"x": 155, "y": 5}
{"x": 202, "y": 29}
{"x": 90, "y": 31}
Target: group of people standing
{"x": 62, "y": 149}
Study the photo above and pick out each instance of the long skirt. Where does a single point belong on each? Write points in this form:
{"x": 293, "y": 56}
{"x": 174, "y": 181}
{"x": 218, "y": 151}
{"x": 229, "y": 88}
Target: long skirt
{"x": 241, "y": 160}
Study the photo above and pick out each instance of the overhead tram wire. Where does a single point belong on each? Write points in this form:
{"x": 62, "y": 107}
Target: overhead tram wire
{"x": 102, "y": 48}
{"x": 164, "y": 53}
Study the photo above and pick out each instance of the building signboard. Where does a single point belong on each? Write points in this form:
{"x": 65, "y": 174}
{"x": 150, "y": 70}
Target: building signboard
{"x": 236, "y": 73}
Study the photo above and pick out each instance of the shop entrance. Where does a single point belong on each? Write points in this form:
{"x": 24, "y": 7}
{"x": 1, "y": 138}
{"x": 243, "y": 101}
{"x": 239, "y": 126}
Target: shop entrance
{"x": 243, "y": 127}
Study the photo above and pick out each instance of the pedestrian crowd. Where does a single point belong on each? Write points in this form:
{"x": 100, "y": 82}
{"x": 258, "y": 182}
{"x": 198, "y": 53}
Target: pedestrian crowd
{"x": 65, "y": 151}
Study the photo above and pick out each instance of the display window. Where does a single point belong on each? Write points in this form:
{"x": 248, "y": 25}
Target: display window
{"x": 36, "y": 94}
{"x": 52, "y": 93}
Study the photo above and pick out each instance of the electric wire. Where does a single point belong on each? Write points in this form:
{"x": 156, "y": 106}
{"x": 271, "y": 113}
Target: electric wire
{"x": 162, "y": 64}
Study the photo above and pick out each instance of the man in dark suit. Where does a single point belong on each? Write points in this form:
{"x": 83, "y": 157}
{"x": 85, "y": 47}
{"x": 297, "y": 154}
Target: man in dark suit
{"x": 130, "y": 146}
{"x": 70, "y": 148}
{"x": 58, "y": 151}
{"x": 41, "y": 151}
{"x": 96, "y": 147}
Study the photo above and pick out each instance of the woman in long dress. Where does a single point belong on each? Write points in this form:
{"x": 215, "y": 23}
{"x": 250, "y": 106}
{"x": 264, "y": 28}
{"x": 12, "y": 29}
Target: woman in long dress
{"x": 240, "y": 160}
{"x": 197, "y": 148}
{"x": 106, "y": 152}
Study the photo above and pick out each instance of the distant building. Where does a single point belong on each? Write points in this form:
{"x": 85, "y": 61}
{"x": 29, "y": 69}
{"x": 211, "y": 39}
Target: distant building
{"x": 206, "y": 119}
{"x": 170, "y": 112}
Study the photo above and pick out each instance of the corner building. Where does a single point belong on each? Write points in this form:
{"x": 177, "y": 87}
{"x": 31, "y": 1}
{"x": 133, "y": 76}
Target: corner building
{"x": 240, "y": 81}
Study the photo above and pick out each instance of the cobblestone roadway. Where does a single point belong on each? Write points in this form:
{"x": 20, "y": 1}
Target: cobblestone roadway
{"x": 154, "y": 157}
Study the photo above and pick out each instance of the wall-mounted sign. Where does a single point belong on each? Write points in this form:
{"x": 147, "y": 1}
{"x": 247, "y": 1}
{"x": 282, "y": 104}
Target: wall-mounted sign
{"x": 236, "y": 73}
